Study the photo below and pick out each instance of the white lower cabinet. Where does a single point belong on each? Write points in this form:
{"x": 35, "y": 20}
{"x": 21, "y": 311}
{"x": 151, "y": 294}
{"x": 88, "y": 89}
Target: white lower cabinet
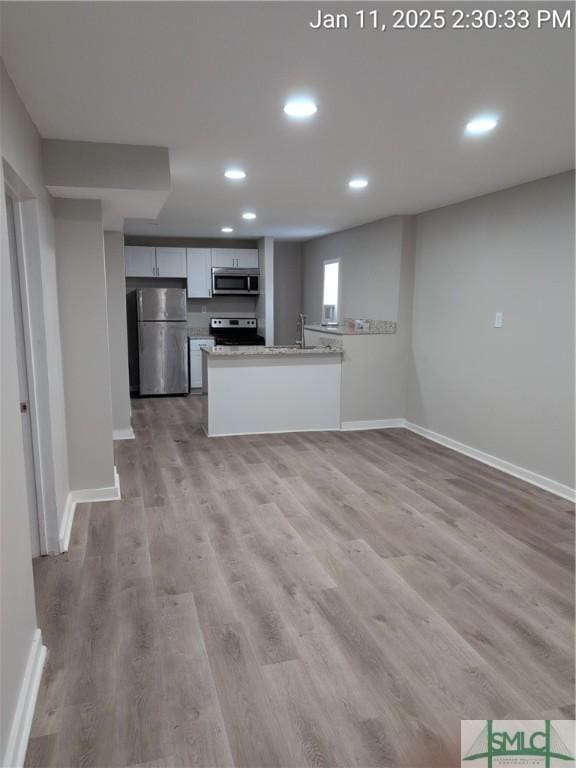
{"x": 194, "y": 346}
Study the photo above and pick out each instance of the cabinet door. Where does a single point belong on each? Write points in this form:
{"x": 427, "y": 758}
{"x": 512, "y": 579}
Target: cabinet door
{"x": 199, "y": 263}
{"x": 196, "y": 378}
{"x": 140, "y": 261}
{"x": 246, "y": 258}
{"x": 171, "y": 262}
{"x": 195, "y": 369}
{"x": 223, "y": 257}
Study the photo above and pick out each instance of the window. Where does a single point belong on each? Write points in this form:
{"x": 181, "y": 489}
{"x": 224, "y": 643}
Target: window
{"x": 330, "y": 302}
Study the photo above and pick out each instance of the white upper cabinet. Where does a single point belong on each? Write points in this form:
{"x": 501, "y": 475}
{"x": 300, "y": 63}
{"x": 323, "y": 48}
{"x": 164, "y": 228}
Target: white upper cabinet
{"x": 246, "y": 258}
{"x": 199, "y": 282}
{"x": 223, "y": 257}
{"x": 191, "y": 263}
{"x": 171, "y": 262}
{"x": 235, "y": 258}
{"x": 140, "y": 261}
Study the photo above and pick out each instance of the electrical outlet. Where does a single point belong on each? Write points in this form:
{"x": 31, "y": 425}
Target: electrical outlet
{"x": 203, "y": 309}
{"x": 498, "y": 320}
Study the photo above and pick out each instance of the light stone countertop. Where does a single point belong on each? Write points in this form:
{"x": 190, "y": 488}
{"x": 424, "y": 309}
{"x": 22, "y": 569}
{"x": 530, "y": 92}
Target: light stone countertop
{"x": 383, "y": 327}
{"x": 260, "y": 351}
{"x": 198, "y": 333}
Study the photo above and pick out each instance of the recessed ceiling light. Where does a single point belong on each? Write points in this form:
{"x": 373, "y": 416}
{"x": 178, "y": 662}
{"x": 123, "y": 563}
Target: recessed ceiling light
{"x": 359, "y": 182}
{"x": 481, "y": 124}
{"x": 227, "y": 229}
{"x": 248, "y": 215}
{"x": 235, "y": 174}
{"x": 300, "y": 108}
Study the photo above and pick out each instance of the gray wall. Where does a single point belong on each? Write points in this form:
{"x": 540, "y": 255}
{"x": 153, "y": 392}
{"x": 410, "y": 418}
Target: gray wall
{"x": 265, "y": 301}
{"x": 507, "y": 391}
{"x": 85, "y": 349}
{"x": 21, "y": 149}
{"x": 375, "y": 368}
{"x": 17, "y": 607}
{"x": 117, "y": 331}
{"x": 287, "y": 290}
{"x": 370, "y": 270}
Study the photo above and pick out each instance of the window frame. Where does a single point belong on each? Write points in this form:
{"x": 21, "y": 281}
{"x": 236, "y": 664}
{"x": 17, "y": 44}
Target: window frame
{"x": 326, "y": 262}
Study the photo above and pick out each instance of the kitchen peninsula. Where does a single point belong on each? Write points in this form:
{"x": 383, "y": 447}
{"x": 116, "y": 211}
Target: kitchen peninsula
{"x": 259, "y": 389}
{"x": 373, "y": 382}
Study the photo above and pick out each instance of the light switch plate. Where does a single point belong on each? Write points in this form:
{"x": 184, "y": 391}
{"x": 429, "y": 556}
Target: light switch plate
{"x": 498, "y": 320}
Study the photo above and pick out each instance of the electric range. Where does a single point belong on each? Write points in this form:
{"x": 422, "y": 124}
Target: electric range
{"x": 235, "y": 331}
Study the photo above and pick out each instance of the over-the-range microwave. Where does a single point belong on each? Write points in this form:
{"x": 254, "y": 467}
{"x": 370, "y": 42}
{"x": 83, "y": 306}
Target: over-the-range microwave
{"x": 226, "y": 281}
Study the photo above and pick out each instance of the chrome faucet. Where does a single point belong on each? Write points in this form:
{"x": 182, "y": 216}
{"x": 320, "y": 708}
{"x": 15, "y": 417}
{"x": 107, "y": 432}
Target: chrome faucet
{"x": 301, "y": 342}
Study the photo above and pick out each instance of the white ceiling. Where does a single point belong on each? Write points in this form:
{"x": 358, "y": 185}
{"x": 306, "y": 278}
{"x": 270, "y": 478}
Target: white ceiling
{"x": 208, "y": 80}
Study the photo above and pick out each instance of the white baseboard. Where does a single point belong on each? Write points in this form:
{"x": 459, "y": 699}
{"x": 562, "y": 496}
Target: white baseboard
{"x": 270, "y": 432}
{"x": 66, "y": 522}
{"x": 546, "y": 483}
{"x": 373, "y": 424}
{"x": 22, "y": 722}
{"x": 112, "y": 493}
{"x": 123, "y": 434}
{"x": 493, "y": 461}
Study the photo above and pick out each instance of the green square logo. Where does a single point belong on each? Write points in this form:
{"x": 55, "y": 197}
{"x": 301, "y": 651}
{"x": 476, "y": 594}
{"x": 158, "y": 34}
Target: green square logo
{"x": 517, "y": 744}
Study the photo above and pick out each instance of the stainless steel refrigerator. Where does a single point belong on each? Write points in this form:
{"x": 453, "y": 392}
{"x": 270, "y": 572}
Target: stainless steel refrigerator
{"x": 162, "y": 341}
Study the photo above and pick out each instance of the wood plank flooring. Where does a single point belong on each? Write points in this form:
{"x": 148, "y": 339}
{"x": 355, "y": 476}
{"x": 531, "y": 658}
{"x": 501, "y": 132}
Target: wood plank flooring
{"x": 312, "y": 599}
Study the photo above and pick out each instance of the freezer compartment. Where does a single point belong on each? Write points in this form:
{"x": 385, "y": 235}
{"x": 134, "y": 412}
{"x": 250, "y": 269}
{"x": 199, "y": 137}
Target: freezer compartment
{"x": 163, "y": 353}
{"x": 161, "y": 304}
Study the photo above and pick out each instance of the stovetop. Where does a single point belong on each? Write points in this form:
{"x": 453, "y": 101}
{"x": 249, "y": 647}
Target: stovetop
{"x": 235, "y": 331}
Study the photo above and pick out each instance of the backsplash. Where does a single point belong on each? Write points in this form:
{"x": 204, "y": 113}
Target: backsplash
{"x": 201, "y": 310}
{"x": 352, "y": 325}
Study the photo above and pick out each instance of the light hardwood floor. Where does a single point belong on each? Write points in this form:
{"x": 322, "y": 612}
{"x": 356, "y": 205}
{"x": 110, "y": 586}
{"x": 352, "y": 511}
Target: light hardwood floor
{"x": 319, "y": 599}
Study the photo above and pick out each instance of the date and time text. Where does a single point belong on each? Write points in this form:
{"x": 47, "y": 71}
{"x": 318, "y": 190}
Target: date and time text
{"x": 383, "y": 18}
